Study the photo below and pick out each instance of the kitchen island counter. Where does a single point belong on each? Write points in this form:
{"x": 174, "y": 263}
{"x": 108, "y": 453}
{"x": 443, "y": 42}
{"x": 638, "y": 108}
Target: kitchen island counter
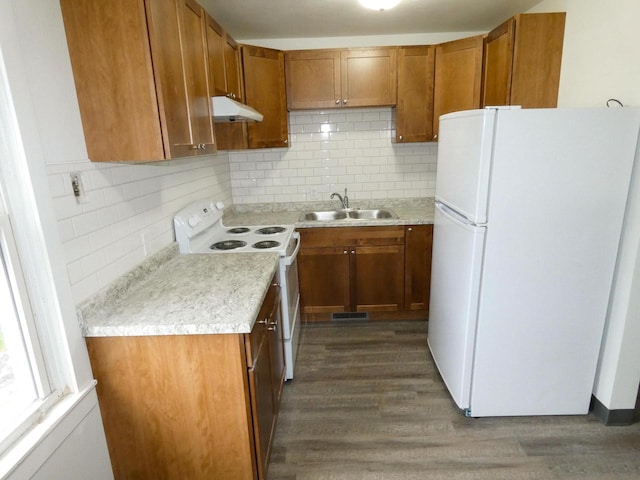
{"x": 174, "y": 294}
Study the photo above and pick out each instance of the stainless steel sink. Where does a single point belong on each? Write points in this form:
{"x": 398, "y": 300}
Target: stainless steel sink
{"x": 323, "y": 216}
{"x": 355, "y": 214}
{"x": 372, "y": 214}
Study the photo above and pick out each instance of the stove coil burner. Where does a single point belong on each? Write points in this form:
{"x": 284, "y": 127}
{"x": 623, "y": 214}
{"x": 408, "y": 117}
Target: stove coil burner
{"x": 237, "y": 230}
{"x": 270, "y": 230}
{"x": 266, "y": 244}
{"x": 228, "y": 245}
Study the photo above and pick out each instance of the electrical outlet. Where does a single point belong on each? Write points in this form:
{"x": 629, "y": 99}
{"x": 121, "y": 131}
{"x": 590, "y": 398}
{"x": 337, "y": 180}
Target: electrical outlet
{"x": 78, "y": 187}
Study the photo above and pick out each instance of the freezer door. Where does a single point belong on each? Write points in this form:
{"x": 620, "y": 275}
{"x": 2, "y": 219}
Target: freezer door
{"x": 464, "y": 162}
{"x": 455, "y": 282}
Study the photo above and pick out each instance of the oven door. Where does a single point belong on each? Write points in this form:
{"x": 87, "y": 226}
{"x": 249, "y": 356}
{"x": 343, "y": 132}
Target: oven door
{"x": 288, "y": 271}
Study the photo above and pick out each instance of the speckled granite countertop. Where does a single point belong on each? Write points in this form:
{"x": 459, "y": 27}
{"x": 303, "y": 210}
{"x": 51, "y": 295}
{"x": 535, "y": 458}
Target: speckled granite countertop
{"x": 173, "y": 294}
{"x": 410, "y": 212}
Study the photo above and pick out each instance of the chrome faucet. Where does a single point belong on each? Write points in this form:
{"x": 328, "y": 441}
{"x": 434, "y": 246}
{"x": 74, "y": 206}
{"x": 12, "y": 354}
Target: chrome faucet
{"x": 344, "y": 200}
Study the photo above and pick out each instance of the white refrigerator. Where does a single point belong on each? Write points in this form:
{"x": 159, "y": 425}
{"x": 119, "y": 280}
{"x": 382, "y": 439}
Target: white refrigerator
{"x": 530, "y": 206}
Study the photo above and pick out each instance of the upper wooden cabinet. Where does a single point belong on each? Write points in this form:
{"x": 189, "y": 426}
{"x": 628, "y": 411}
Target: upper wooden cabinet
{"x": 413, "y": 114}
{"x": 522, "y": 61}
{"x": 233, "y": 69}
{"x": 361, "y": 77}
{"x": 458, "y": 75}
{"x": 265, "y": 91}
{"x": 140, "y": 71}
{"x": 225, "y": 72}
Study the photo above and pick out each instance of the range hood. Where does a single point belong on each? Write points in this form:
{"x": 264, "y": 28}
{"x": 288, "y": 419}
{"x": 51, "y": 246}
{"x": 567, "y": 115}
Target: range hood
{"x": 227, "y": 110}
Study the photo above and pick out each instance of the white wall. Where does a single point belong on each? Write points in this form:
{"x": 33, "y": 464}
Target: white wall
{"x": 361, "y": 41}
{"x": 601, "y": 61}
{"x": 130, "y": 208}
{"x": 601, "y": 51}
{"x": 50, "y": 442}
{"x": 331, "y": 150}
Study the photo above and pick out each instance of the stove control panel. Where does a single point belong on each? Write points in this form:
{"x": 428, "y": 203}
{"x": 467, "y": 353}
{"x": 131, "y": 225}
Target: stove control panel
{"x": 194, "y": 219}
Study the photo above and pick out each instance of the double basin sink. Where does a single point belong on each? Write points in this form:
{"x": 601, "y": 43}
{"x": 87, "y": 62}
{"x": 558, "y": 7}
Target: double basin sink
{"x": 348, "y": 214}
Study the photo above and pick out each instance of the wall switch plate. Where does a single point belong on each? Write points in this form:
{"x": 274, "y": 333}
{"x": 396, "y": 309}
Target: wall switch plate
{"x": 78, "y": 187}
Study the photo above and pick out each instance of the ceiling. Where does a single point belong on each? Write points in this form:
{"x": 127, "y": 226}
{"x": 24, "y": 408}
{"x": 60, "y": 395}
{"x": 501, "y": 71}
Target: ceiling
{"x": 268, "y": 19}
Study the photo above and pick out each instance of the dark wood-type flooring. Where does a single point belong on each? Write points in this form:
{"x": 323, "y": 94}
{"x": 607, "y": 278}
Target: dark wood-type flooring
{"x": 368, "y": 404}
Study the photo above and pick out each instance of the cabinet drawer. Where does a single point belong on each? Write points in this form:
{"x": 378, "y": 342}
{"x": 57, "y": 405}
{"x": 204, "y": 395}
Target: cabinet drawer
{"x": 351, "y": 236}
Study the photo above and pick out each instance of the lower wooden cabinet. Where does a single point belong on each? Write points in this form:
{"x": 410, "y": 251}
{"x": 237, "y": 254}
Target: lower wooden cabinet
{"x": 418, "y": 242}
{"x": 381, "y": 270}
{"x": 192, "y": 406}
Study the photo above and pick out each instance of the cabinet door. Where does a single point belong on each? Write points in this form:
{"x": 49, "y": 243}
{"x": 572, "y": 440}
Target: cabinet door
{"x": 414, "y": 109}
{"x": 262, "y": 405}
{"x": 537, "y": 59}
{"x": 323, "y": 273}
{"x": 232, "y": 68}
{"x": 313, "y": 79}
{"x": 498, "y": 61}
{"x": 116, "y": 98}
{"x": 265, "y": 91}
{"x": 379, "y": 278}
{"x": 215, "y": 50}
{"x": 368, "y": 77}
{"x": 194, "y": 49}
{"x": 417, "y": 277}
{"x": 457, "y": 78}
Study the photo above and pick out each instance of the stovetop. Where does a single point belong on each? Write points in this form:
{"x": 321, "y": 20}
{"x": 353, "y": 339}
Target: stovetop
{"x": 199, "y": 229}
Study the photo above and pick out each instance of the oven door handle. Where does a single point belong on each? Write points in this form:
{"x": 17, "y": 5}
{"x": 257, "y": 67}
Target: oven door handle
{"x": 288, "y": 261}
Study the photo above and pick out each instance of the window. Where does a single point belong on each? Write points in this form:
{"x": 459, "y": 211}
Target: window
{"x": 24, "y": 384}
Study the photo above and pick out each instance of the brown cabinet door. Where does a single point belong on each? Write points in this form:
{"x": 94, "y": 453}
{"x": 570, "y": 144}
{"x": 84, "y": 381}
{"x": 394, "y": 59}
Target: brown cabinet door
{"x": 232, "y": 68}
{"x": 313, "y": 79}
{"x": 117, "y": 99}
{"x": 537, "y": 59}
{"x": 368, "y": 77}
{"x": 457, "y": 78}
{"x": 166, "y": 52}
{"x": 522, "y": 61}
{"x": 498, "y": 61}
{"x": 417, "y": 279}
{"x": 215, "y": 51}
{"x": 262, "y": 405}
{"x": 196, "y": 70}
{"x": 414, "y": 109}
{"x": 323, "y": 273}
{"x": 379, "y": 278}
{"x": 265, "y": 91}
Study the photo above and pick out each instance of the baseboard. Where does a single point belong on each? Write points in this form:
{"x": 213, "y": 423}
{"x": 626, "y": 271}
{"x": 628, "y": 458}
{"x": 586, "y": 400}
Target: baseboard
{"x": 612, "y": 418}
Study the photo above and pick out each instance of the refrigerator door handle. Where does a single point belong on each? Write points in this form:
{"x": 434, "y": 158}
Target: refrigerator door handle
{"x": 457, "y": 216}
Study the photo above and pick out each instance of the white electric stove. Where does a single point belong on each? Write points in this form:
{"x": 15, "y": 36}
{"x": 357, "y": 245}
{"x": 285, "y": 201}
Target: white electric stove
{"x": 199, "y": 229}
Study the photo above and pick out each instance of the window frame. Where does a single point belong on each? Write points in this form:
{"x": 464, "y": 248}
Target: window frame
{"x": 46, "y": 392}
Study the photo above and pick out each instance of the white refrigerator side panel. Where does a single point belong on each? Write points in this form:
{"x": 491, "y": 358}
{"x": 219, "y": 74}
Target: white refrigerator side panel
{"x": 464, "y": 162}
{"x": 456, "y": 264}
{"x": 557, "y": 199}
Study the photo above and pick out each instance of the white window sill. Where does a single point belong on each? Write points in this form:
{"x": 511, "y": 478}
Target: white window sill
{"x": 43, "y": 439}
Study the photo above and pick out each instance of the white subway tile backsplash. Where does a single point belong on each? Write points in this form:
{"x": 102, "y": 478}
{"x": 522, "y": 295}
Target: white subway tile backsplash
{"x": 129, "y": 214}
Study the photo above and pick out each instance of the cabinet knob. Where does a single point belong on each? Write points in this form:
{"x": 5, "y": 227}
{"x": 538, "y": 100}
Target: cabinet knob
{"x": 344, "y": 252}
{"x": 272, "y": 327}
{"x": 286, "y": 142}
{"x": 195, "y": 147}
{"x": 263, "y": 321}
{"x": 435, "y": 137}
{"x": 344, "y": 101}
{"x": 353, "y": 251}
{"x": 410, "y": 229}
{"x": 400, "y": 137}
{"x": 338, "y": 102}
